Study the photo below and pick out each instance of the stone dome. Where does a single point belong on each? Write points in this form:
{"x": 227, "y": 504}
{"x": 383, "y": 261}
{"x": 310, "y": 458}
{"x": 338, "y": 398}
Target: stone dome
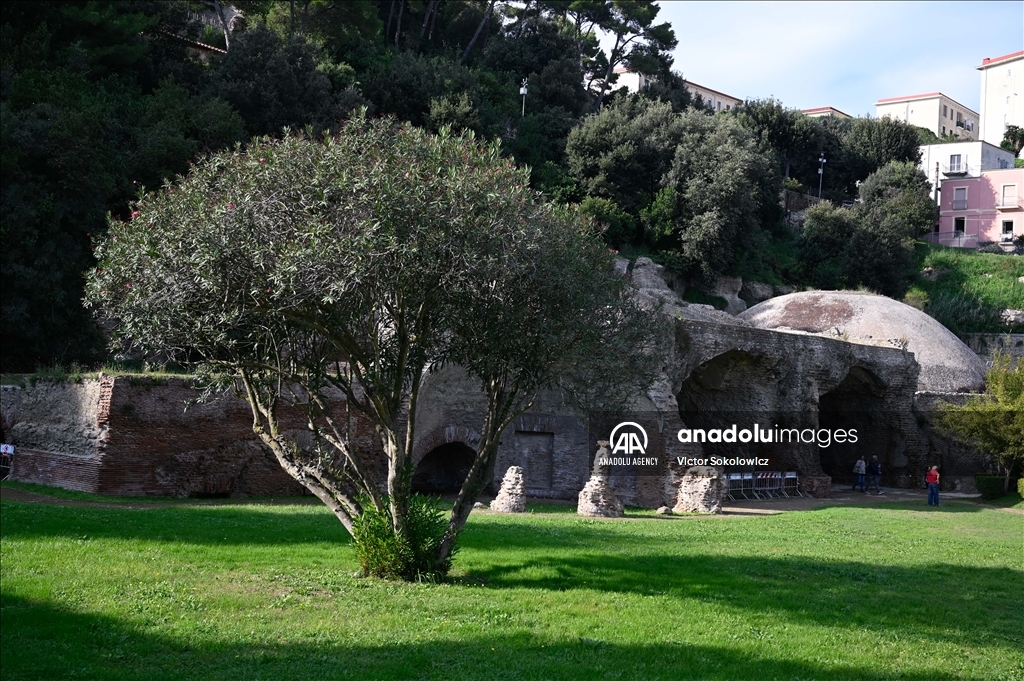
{"x": 947, "y": 365}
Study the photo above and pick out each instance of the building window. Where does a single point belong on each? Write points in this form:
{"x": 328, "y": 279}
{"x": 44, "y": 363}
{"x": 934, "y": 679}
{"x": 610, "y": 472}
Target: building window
{"x": 943, "y": 130}
{"x": 1009, "y": 195}
{"x": 960, "y": 198}
{"x": 959, "y": 225}
{"x": 1007, "y": 230}
{"x": 944, "y": 111}
{"x": 954, "y": 163}
{"x": 719, "y": 106}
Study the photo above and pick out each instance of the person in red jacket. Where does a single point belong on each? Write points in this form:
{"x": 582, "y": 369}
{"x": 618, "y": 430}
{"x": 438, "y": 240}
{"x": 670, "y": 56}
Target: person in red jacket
{"x": 932, "y": 478}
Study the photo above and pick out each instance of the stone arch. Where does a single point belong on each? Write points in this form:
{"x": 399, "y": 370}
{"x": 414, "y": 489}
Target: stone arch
{"x": 858, "y": 403}
{"x": 442, "y": 436}
{"x": 734, "y": 380}
{"x": 443, "y": 469}
{"x": 441, "y": 459}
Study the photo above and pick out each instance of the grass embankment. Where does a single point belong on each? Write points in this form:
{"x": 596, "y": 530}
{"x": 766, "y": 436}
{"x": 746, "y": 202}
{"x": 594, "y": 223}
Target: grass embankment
{"x": 972, "y": 288}
{"x": 267, "y": 592}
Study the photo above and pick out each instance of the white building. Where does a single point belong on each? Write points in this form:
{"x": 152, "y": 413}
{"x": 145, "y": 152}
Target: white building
{"x": 962, "y": 159}
{"x": 713, "y": 99}
{"x": 934, "y": 111}
{"x": 1002, "y": 95}
{"x": 825, "y": 112}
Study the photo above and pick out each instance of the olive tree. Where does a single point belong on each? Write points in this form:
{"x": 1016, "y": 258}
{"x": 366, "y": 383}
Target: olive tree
{"x": 329, "y": 276}
{"x": 993, "y": 422}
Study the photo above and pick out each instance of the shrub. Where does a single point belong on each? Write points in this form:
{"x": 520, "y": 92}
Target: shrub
{"x": 382, "y": 553}
{"x": 1020, "y": 487}
{"x": 990, "y": 486}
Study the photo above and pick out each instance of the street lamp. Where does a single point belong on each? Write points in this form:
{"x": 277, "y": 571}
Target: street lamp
{"x": 522, "y": 91}
{"x": 821, "y": 171}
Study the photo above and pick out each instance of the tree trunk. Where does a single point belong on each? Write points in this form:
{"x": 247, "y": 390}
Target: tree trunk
{"x": 608, "y": 73}
{"x": 426, "y": 17}
{"x": 398, "y": 26}
{"x": 387, "y": 31}
{"x": 430, "y": 34}
{"x": 479, "y": 28}
{"x": 480, "y": 473}
{"x": 223, "y": 24}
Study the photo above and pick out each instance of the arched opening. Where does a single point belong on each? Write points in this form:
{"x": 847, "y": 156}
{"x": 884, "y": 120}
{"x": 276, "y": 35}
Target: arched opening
{"x": 747, "y": 394}
{"x": 856, "y": 404}
{"x": 443, "y": 469}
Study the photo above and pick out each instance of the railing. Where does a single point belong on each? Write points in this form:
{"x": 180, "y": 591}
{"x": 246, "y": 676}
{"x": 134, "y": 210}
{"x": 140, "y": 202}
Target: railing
{"x": 960, "y": 168}
{"x": 956, "y": 239}
{"x": 960, "y": 124}
{"x": 959, "y": 204}
{"x": 795, "y": 201}
{"x": 1011, "y": 203}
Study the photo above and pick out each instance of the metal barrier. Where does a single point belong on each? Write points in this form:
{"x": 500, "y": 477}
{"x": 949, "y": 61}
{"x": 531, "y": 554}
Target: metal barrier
{"x": 748, "y": 486}
{"x": 791, "y": 484}
{"x": 768, "y": 484}
{"x": 763, "y": 485}
{"x": 735, "y": 481}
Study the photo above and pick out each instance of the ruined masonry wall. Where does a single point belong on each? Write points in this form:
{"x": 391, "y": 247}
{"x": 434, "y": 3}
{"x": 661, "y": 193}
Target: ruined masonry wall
{"x": 133, "y": 437}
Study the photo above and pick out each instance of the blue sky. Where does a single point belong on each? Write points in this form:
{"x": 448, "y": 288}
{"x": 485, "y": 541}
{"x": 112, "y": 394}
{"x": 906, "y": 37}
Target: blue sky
{"x": 842, "y": 54}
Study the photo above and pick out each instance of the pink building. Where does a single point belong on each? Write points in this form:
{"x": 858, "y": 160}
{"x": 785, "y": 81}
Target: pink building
{"x": 974, "y": 210}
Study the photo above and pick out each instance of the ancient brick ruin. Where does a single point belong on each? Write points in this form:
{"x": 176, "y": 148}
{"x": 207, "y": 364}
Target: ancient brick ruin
{"x": 129, "y": 436}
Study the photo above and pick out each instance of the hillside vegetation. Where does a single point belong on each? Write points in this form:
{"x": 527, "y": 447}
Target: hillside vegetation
{"x": 967, "y": 290}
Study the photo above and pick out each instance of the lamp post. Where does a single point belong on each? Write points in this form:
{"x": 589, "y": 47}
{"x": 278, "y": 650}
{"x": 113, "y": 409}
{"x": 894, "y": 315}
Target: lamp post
{"x": 522, "y": 91}
{"x": 821, "y": 171}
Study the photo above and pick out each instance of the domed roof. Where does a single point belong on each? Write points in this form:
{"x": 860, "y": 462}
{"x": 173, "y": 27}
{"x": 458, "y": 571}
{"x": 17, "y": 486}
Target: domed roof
{"x": 947, "y": 365}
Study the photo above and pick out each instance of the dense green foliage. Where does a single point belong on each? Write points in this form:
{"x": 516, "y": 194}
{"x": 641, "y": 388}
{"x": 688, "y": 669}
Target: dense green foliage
{"x": 266, "y": 591}
{"x": 102, "y": 98}
{"x": 872, "y": 243}
{"x": 381, "y": 554}
{"x": 994, "y": 422}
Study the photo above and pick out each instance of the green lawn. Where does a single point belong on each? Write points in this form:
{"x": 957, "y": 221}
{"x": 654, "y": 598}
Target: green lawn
{"x": 267, "y": 592}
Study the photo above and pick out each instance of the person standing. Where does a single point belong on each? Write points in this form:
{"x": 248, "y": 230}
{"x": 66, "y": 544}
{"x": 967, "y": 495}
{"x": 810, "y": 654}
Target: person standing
{"x": 932, "y": 478}
{"x": 874, "y": 475}
{"x": 860, "y": 468}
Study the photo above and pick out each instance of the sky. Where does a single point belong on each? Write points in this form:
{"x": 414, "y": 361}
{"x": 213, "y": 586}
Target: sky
{"x": 842, "y": 54}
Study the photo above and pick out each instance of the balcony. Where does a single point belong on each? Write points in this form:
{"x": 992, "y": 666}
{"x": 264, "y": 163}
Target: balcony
{"x": 959, "y": 204}
{"x": 956, "y": 169}
{"x": 1011, "y": 203}
{"x": 960, "y": 124}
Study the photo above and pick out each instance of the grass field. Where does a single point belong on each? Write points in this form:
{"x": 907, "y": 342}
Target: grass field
{"x": 267, "y": 592}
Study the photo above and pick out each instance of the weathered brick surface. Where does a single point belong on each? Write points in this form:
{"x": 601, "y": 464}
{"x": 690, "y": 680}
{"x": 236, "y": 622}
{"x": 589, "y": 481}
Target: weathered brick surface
{"x": 123, "y": 436}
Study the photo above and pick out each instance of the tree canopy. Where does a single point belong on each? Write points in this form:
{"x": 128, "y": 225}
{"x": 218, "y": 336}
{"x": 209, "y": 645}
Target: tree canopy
{"x": 327, "y": 274}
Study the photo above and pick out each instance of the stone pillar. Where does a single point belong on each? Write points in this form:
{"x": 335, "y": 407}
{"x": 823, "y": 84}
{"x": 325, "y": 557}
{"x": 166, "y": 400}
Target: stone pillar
{"x": 819, "y": 486}
{"x": 597, "y": 500}
{"x": 512, "y": 495}
{"x": 701, "y": 491}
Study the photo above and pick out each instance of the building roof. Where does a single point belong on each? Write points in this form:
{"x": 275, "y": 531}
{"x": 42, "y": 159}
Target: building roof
{"x": 717, "y": 92}
{"x": 926, "y": 95}
{"x": 986, "y": 62}
{"x": 821, "y": 109}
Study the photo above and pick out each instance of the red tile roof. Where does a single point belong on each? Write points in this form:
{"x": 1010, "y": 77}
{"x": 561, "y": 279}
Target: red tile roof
{"x": 986, "y": 62}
